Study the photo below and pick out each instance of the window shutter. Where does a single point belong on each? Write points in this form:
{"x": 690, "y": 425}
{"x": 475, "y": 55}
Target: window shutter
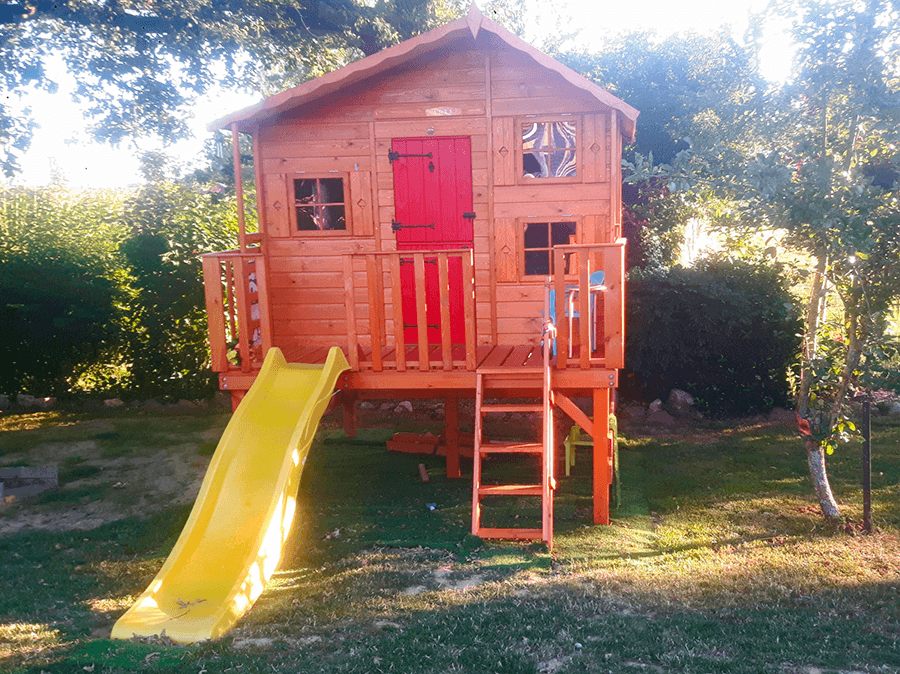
{"x": 277, "y": 205}
{"x": 505, "y": 250}
{"x": 595, "y": 149}
{"x": 504, "y": 149}
{"x": 361, "y": 203}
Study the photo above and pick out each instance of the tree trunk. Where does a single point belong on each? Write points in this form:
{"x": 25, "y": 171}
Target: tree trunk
{"x": 815, "y": 459}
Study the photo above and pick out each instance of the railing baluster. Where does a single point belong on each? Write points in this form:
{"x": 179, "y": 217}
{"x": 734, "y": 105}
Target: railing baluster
{"x": 213, "y": 292}
{"x": 350, "y": 304}
{"x": 444, "y": 288}
{"x": 562, "y": 321}
{"x": 243, "y": 313}
{"x": 376, "y": 308}
{"x": 397, "y": 302}
{"x": 614, "y": 305}
{"x": 229, "y": 290}
{"x": 468, "y": 271}
{"x": 584, "y": 310}
{"x": 421, "y": 316}
{"x": 265, "y": 316}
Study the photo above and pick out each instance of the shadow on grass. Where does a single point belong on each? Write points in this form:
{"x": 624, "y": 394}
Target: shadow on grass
{"x": 375, "y": 580}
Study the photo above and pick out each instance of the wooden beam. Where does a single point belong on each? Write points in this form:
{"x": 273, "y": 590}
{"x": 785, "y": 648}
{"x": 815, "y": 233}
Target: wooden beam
{"x": 451, "y": 434}
{"x": 600, "y": 433}
{"x": 492, "y": 244}
{"x": 239, "y": 185}
{"x": 566, "y": 405}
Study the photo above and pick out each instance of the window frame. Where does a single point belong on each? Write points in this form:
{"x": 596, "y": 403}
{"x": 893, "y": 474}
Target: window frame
{"x": 293, "y": 223}
{"x": 521, "y": 179}
{"x": 521, "y": 223}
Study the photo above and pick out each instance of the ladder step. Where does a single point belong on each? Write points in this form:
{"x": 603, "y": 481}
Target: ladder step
{"x": 516, "y": 534}
{"x": 532, "y": 407}
{"x": 499, "y": 447}
{"x": 511, "y": 490}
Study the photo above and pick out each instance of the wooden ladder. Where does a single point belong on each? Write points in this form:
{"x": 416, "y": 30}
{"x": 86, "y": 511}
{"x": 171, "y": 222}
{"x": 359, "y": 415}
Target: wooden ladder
{"x": 545, "y": 485}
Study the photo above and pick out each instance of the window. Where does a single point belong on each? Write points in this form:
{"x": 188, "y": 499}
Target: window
{"x": 319, "y": 204}
{"x": 538, "y": 238}
{"x": 549, "y": 149}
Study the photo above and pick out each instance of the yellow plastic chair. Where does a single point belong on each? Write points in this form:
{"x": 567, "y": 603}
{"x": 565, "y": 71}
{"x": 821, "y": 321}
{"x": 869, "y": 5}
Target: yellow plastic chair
{"x": 576, "y": 438}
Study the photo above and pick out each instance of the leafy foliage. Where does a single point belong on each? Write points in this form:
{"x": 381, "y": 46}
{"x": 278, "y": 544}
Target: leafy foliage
{"x": 817, "y": 157}
{"x": 171, "y": 224}
{"x": 103, "y": 290}
{"x": 140, "y": 63}
{"x": 725, "y": 331}
{"x": 60, "y": 286}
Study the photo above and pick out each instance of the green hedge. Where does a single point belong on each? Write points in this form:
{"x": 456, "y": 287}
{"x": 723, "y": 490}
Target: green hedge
{"x": 724, "y": 331}
{"x": 102, "y": 290}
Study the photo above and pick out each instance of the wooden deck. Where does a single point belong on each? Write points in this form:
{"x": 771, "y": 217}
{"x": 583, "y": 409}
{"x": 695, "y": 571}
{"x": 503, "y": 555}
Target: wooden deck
{"x": 514, "y": 369}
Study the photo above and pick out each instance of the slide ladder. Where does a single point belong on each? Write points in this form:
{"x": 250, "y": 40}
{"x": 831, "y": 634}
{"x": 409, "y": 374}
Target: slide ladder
{"x": 544, "y": 485}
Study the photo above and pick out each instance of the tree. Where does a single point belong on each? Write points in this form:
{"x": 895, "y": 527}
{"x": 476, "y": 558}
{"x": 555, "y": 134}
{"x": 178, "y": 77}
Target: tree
{"x": 677, "y": 83}
{"x": 843, "y": 110}
{"x": 817, "y": 158}
{"x": 61, "y": 286}
{"x": 141, "y": 62}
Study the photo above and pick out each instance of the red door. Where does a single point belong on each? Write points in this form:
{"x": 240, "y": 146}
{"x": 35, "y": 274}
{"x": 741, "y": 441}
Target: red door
{"x": 432, "y": 195}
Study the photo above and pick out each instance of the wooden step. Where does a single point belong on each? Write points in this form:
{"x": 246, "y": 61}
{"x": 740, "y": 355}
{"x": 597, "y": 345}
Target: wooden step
{"x": 500, "y": 447}
{"x": 503, "y": 407}
{"x": 510, "y": 490}
{"x": 514, "y": 534}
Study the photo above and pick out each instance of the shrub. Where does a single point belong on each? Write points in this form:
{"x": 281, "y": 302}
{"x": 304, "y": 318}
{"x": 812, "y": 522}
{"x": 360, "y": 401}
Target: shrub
{"x": 171, "y": 224}
{"x": 724, "y": 331}
{"x": 60, "y": 286}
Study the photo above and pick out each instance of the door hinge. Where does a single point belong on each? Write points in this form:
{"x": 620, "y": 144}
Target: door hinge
{"x": 469, "y": 216}
{"x": 397, "y": 226}
{"x": 396, "y": 155}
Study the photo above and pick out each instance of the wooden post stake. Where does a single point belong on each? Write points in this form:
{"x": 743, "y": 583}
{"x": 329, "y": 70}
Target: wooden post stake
{"x": 600, "y": 433}
{"x": 451, "y": 433}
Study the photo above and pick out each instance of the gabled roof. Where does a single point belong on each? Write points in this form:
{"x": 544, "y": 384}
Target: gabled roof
{"x": 465, "y": 28}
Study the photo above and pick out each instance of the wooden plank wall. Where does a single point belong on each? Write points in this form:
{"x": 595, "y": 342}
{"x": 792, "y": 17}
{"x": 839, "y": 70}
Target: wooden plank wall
{"x": 521, "y": 89}
{"x": 455, "y": 93}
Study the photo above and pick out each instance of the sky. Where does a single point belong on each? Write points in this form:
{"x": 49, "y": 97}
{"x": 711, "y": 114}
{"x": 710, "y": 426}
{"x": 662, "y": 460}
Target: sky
{"x": 61, "y": 149}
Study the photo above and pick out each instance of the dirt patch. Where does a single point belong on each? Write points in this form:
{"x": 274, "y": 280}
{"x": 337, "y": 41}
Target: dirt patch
{"x": 97, "y": 487}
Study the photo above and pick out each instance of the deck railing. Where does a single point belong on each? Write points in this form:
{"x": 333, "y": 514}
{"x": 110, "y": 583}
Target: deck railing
{"x": 368, "y": 350}
{"x": 580, "y": 260}
{"x": 237, "y": 309}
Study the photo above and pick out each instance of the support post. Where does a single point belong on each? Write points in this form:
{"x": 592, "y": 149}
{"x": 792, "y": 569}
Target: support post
{"x": 451, "y": 433}
{"x": 239, "y": 185}
{"x": 600, "y": 433}
{"x": 867, "y": 465}
{"x": 348, "y": 403}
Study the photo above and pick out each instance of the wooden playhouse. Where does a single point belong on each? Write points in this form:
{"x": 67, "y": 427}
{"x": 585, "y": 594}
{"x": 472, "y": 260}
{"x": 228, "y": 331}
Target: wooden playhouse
{"x": 448, "y": 212}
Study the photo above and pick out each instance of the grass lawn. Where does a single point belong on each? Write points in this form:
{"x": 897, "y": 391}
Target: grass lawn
{"x": 717, "y": 561}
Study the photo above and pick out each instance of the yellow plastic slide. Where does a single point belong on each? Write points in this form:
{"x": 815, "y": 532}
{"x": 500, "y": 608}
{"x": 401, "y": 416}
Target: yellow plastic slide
{"x": 233, "y": 539}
